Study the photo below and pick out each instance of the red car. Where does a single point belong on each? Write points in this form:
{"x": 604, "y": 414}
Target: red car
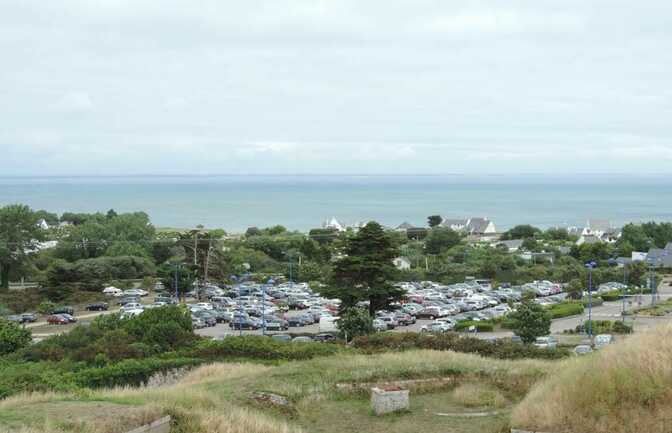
{"x": 57, "y": 320}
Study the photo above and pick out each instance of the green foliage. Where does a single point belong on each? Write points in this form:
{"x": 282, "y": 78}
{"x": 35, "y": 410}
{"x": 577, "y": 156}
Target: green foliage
{"x": 167, "y": 327}
{"x": 262, "y": 348}
{"x": 604, "y": 327}
{"x": 366, "y": 272}
{"x": 530, "y": 321}
{"x": 565, "y": 309}
{"x": 12, "y": 337}
{"x": 522, "y": 231}
{"x": 354, "y": 322}
{"x": 93, "y": 274}
{"x": 19, "y": 234}
{"x": 502, "y": 349}
{"x": 434, "y": 220}
{"x": 479, "y": 325}
{"x": 129, "y": 372}
{"x": 441, "y": 239}
{"x": 614, "y": 295}
{"x": 323, "y": 236}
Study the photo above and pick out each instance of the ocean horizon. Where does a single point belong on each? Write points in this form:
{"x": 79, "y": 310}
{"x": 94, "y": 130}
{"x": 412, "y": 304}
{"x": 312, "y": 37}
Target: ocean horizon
{"x": 301, "y": 202}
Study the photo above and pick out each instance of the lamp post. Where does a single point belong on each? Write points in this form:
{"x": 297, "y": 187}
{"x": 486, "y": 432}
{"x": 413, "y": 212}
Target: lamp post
{"x": 176, "y": 267}
{"x": 625, "y": 289}
{"x": 590, "y": 265}
{"x": 263, "y": 304}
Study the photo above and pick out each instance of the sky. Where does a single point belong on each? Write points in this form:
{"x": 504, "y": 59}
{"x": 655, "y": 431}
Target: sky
{"x": 116, "y": 87}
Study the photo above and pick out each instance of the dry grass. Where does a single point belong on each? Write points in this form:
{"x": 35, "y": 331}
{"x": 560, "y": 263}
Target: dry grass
{"x": 213, "y": 398}
{"x": 624, "y": 388}
{"x": 478, "y": 395}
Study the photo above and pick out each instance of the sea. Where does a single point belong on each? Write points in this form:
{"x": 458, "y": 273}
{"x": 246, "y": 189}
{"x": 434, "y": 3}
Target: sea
{"x": 235, "y": 203}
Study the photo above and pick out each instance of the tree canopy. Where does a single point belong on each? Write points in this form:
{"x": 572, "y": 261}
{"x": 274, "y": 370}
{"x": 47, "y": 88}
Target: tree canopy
{"x": 366, "y": 272}
{"x": 19, "y": 236}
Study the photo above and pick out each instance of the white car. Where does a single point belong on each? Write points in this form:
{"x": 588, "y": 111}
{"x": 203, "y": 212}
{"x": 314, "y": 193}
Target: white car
{"x": 136, "y": 292}
{"x": 132, "y": 306}
{"x": 113, "y": 291}
{"x": 603, "y": 340}
{"x": 205, "y": 305}
{"x": 131, "y": 313}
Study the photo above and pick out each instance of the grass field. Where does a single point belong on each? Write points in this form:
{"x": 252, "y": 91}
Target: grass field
{"x": 624, "y": 388}
{"x": 215, "y": 398}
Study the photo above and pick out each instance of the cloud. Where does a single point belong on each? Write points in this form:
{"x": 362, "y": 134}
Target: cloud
{"x": 76, "y": 102}
{"x": 340, "y": 86}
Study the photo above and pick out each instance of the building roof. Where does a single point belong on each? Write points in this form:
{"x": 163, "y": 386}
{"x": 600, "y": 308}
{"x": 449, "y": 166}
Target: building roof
{"x": 454, "y": 222}
{"x": 477, "y": 225}
{"x": 659, "y": 257}
{"x": 405, "y": 226}
{"x": 599, "y": 225}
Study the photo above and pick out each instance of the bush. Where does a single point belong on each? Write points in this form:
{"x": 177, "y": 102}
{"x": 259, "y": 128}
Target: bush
{"x": 530, "y": 320}
{"x": 614, "y": 295}
{"x": 34, "y": 377}
{"x": 129, "y": 372}
{"x": 12, "y": 337}
{"x": 566, "y": 309}
{"x": 354, "y": 322}
{"x": 604, "y": 327}
{"x": 263, "y": 348}
{"x": 502, "y": 349}
{"x": 46, "y": 307}
{"x": 480, "y": 326}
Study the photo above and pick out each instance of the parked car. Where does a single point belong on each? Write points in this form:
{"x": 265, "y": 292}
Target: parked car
{"x": 98, "y": 306}
{"x": 302, "y": 340}
{"x": 547, "y": 342}
{"x": 132, "y": 306}
{"x": 324, "y": 338}
{"x": 64, "y": 309}
{"x": 379, "y": 325}
{"x": 113, "y": 291}
{"x": 15, "y": 318}
{"x": 436, "y": 327}
{"x": 582, "y": 349}
{"x": 243, "y": 323}
{"x": 128, "y": 300}
{"x": 135, "y": 292}
{"x": 430, "y": 313}
{"x": 197, "y": 323}
{"x": 281, "y": 337}
{"x": 602, "y": 340}
{"x": 69, "y": 317}
{"x": 29, "y": 317}
{"x": 57, "y": 319}
{"x": 276, "y": 325}
{"x": 295, "y": 321}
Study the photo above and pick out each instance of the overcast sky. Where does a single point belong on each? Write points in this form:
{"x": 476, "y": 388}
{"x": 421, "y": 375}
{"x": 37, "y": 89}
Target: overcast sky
{"x": 344, "y": 86}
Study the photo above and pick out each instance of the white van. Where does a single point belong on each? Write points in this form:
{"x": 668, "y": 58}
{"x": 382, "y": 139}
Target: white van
{"x": 328, "y": 324}
{"x": 113, "y": 291}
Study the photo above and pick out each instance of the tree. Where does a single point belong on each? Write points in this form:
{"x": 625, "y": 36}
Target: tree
{"x": 12, "y": 337}
{"x": 354, "y": 322}
{"x": 557, "y": 234}
{"x": 522, "y": 231}
{"x": 441, "y": 239}
{"x": 366, "y": 272}
{"x": 111, "y": 214}
{"x": 19, "y": 235}
{"x": 530, "y": 321}
{"x": 434, "y": 220}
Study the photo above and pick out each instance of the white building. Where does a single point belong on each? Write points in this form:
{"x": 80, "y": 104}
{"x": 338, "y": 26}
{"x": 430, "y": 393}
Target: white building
{"x": 402, "y": 263}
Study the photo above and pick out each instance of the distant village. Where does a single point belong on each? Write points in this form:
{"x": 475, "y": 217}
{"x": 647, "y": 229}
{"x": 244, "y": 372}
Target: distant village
{"x": 483, "y": 231}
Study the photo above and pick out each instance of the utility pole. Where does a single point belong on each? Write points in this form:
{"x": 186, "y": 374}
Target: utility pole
{"x": 590, "y": 266}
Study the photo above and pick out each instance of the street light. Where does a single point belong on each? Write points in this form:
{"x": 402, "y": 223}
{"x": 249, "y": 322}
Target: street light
{"x": 270, "y": 282}
{"x": 590, "y": 265}
{"x": 176, "y": 266}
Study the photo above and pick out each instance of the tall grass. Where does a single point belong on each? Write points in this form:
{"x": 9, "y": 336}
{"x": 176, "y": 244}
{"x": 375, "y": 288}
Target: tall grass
{"x": 214, "y": 398}
{"x": 623, "y": 388}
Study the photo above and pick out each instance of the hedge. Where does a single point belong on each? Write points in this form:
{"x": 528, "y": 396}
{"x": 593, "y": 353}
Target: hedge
{"x": 565, "y": 309}
{"x": 604, "y": 327}
{"x": 481, "y": 326}
{"x": 129, "y": 372}
{"x": 502, "y": 349}
{"x": 614, "y": 295}
{"x": 262, "y": 348}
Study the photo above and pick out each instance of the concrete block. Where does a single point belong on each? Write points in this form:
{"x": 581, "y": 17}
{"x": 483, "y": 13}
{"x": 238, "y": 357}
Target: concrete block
{"x": 161, "y": 425}
{"x": 388, "y": 400}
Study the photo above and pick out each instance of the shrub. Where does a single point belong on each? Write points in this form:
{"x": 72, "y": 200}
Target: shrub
{"x": 502, "y": 349}
{"x": 354, "y": 322}
{"x": 566, "y": 309}
{"x": 604, "y": 327}
{"x": 259, "y": 347}
{"x": 34, "y": 377}
{"x": 129, "y": 372}
{"x": 480, "y": 326}
{"x": 46, "y": 307}
{"x": 530, "y": 320}
{"x": 614, "y": 295}
{"x": 12, "y": 337}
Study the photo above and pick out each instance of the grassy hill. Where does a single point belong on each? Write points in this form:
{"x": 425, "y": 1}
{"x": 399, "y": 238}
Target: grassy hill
{"x": 624, "y": 388}
{"x": 216, "y": 397}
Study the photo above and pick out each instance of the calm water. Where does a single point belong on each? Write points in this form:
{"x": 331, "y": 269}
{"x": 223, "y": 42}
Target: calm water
{"x": 301, "y": 202}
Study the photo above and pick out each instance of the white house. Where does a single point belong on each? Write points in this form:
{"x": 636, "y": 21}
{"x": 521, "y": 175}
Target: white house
{"x": 333, "y": 223}
{"x": 42, "y": 223}
{"x": 402, "y": 263}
